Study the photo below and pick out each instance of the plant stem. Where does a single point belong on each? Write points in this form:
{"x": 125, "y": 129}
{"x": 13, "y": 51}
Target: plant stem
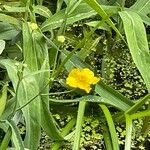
{"x": 128, "y": 132}
{"x": 40, "y": 92}
{"x": 27, "y": 9}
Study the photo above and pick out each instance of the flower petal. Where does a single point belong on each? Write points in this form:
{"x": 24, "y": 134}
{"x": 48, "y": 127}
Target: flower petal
{"x": 95, "y": 80}
{"x": 72, "y": 82}
{"x": 74, "y": 73}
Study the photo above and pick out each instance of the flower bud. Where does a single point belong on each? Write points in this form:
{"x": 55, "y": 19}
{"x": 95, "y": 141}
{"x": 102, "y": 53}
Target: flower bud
{"x": 61, "y": 38}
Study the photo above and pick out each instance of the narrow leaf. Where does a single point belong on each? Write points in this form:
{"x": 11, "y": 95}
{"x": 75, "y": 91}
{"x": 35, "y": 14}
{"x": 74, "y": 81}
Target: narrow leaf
{"x": 17, "y": 140}
{"x": 28, "y": 89}
{"x": 78, "y": 128}
{"x": 2, "y": 46}
{"x": 111, "y": 126}
{"x": 141, "y": 6}
{"x": 42, "y": 10}
{"x": 137, "y": 42}
{"x": 138, "y": 104}
{"x": 3, "y": 98}
{"x": 9, "y": 19}
{"x": 81, "y": 12}
{"x": 98, "y": 8}
{"x": 128, "y": 132}
{"x": 140, "y": 114}
{"x": 14, "y": 9}
{"x": 115, "y": 98}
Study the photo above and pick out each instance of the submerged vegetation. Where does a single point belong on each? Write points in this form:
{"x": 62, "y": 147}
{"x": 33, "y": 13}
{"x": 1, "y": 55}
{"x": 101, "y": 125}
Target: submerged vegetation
{"x": 74, "y": 74}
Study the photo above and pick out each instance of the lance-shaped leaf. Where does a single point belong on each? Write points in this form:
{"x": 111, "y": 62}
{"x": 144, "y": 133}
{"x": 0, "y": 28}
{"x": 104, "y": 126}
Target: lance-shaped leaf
{"x": 3, "y": 98}
{"x": 137, "y": 42}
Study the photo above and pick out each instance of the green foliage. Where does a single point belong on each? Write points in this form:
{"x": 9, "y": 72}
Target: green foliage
{"x": 111, "y": 41}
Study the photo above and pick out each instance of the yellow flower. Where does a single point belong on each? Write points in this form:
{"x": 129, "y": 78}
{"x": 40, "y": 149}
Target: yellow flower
{"x": 81, "y": 79}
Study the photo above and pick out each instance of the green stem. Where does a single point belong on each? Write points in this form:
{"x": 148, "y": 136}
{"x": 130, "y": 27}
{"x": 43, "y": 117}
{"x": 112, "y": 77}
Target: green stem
{"x": 59, "y": 93}
{"x": 32, "y": 99}
{"x": 59, "y": 5}
{"x": 123, "y": 3}
{"x": 128, "y": 132}
{"x": 146, "y": 125}
{"x": 27, "y": 9}
{"x": 6, "y": 139}
{"x": 16, "y": 96}
{"x": 78, "y": 129}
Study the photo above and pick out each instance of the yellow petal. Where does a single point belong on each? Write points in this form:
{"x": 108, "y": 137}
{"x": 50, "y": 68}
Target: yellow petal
{"x": 95, "y": 80}
{"x": 87, "y": 89}
{"x": 72, "y": 82}
{"x": 84, "y": 86}
{"x": 89, "y": 75}
{"x": 74, "y": 73}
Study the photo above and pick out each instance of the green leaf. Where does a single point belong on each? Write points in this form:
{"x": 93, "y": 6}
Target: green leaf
{"x": 111, "y": 126}
{"x": 42, "y": 62}
{"x": 9, "y": 19}
{"x": 55, "y": 21}
{"x": 138, "y": 104}
{"x": 78, "y": 127}
{"x": 29, "y": 52}
{"x": 7, "y": 31}
{"x": 89, "y": 98}
{"x": 28, "y": 89}
{"x": 2, "y": 46}
{"x": 17, "y": 140}
{"x": 42, "y": 10}
{"x": 14, "y": 9}
{"x": 3, "y": 98}
{"x": 141, "y": 114}
{"x": 145, "y": 19}
{"x": 94, "y": 23}
{"x": 48, "y": 123}
{"x": 107, "y": 138}
{"x": 141, "y": 6}
{"x": 72, "y": 5}
{"x": 64, "y": 132}
{"x": 36, "y": 57}
{"x": 115, "y": 98}
{"x": 8, "y": 108}
{"x": 137, "y": 42}
{"x": 99, "y": 9}
{"x": 82, "y": 11}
